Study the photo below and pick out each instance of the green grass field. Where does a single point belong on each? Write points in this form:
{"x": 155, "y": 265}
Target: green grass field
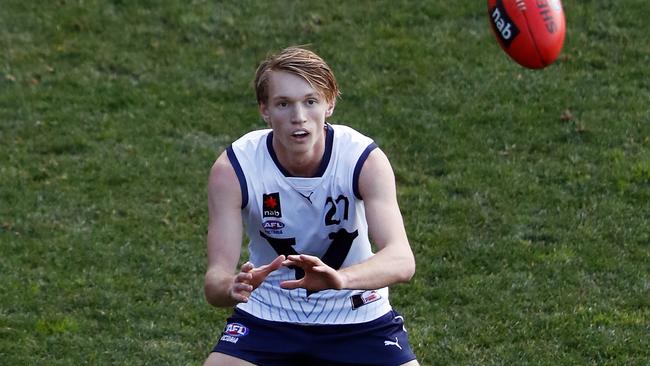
{"x": 526, "y": 194}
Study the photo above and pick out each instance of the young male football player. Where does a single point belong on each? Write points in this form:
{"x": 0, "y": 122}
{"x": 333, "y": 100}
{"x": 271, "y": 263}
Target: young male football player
{"x": 309, "y": 196}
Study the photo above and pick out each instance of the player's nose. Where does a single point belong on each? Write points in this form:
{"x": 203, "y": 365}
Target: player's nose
{"x": 298, "y": 114}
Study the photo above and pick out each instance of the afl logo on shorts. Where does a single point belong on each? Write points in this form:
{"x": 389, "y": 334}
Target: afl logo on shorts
{"x": 236, "y": 330}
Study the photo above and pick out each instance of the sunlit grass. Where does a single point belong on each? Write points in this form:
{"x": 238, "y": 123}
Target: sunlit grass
{"x": 525, "y": 193}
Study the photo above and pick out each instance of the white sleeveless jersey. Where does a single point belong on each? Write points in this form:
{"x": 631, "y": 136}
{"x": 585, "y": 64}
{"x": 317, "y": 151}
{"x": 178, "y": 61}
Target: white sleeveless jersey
{"x": 322, "y": 216}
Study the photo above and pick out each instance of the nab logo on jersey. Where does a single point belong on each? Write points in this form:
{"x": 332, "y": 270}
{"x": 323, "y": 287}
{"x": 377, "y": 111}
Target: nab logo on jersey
{"x": 271, "y": 205}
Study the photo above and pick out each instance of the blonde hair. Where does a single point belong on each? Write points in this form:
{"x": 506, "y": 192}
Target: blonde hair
{"x": 301, "y": 62}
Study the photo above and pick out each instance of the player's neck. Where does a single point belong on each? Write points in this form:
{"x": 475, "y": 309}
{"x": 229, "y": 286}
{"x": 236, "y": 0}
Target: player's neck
{"x": 302, "y": 164}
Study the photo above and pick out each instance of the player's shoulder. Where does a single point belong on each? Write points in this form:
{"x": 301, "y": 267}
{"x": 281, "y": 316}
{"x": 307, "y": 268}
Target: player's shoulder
{"x": 222, "y": 182}
{"x": 222, "y": 170}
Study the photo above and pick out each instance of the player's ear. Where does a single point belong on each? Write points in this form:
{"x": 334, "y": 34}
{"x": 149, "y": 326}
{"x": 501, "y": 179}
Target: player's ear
{"x": 330, "y": 108}
{"x": 264, "y": 112}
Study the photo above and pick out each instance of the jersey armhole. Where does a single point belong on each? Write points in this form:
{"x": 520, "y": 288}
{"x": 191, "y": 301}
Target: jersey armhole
{"x": 357, "y": 169}
{"x": 240, "y": 175}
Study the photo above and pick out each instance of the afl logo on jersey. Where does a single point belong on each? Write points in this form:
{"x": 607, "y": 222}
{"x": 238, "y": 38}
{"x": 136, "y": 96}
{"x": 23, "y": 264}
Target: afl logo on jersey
{"x": 273, "y": 226}
{"x": 271, "y": 205}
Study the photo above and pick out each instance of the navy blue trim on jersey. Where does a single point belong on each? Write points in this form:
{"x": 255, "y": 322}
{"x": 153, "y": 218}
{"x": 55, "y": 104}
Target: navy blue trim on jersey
{"x": 327, "y": 154}
{"x": 329, "y": 141}
{"x": 240, "y": 175}
{"x": 357, "y": 169}
{"x": 269, "y": 147}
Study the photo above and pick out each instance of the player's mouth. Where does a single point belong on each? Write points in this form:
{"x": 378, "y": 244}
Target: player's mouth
{"x": 300, "y": 134}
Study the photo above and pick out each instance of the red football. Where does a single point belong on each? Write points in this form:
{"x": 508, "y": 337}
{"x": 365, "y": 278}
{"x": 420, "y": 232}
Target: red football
{"x": 531, "y": 32}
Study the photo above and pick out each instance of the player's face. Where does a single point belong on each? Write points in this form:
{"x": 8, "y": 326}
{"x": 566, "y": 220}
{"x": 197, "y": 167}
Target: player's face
{"x": 296, "y": 112}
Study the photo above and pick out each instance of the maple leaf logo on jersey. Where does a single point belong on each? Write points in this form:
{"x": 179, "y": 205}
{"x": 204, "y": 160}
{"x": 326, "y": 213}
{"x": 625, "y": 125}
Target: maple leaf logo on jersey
{"x": 271, "y": 205}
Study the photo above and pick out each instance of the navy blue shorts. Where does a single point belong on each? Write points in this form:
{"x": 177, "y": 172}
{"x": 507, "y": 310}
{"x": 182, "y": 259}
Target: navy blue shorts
{"x": 381, "y": 342}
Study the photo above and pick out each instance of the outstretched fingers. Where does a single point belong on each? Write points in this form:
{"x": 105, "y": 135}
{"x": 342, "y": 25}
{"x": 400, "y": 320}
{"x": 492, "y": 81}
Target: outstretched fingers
{"x": 292, "y": 284}
{"x": 247, "y": 267}
{"x": 241, "y": 288}
{"x": 249, "y": 278}
{"x": 317, "y": 275}
{"x": 303, "y": 261}
{"x": 260, "y": 273}
{"x": 268, "y": 268}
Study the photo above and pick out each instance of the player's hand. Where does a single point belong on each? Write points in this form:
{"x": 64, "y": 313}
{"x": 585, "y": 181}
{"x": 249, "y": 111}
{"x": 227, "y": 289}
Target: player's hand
{"x": 249, "y": 278}
{"x": 318, "y": 275}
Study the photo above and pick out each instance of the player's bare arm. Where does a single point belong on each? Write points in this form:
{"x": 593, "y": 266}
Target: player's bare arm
{"x": 224, "y": 287}
{"x": 393, "y": 262}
